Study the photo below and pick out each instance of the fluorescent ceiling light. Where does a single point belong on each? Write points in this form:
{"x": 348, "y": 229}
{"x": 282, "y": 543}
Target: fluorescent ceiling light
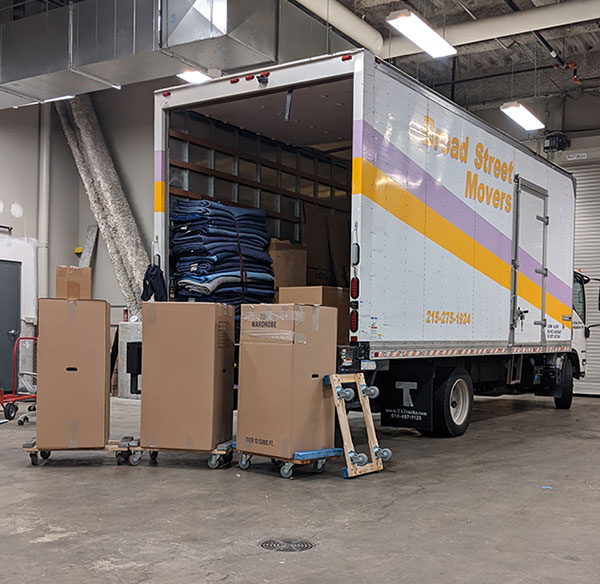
{"x": 520, "y": 114}
{"x": 193, "y": 76}
{"x": 420, "y": 33}
{"x": 58, "y": 98}
{"x": 26, "y": 104}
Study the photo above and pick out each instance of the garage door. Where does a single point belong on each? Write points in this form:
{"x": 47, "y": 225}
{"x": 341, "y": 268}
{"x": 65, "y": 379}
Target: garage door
{"x": 587, "y": 259}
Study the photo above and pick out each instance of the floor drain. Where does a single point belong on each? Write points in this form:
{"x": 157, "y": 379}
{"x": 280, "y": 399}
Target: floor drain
{"x": 287, "y": 544}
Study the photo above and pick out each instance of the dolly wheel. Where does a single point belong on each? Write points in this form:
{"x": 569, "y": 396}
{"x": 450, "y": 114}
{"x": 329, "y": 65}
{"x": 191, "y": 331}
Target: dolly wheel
{"x": 135, "y": 458}
{"x": 122, "y": 458}
{"x": 227, "y": 458}
{"x": 319, "y": 465}
{"x": 287, "y": 470}
{"x": 245, "y": 462}
{"x": 45, "y": 454}
{"x": 214, "y": 461}
{"x": 34, "y": 458}
{"x": 153, "y": 455}
{"x": 10, "y": 411}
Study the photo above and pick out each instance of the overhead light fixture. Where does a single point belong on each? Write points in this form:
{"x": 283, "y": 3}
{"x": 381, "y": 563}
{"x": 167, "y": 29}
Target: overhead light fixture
{"x": 26, "y": 104}
{"x": 520, "y": 114}
{"x": 193, "y": 76}
{"x": 420, "y": 33}
{"x": 58, "y": 98}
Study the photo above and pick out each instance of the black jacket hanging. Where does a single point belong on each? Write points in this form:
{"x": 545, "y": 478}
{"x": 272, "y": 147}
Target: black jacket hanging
{"x": 154, "y": 284}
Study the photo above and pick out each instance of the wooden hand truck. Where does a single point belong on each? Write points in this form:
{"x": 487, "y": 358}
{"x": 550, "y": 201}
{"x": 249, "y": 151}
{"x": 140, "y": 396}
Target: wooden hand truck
{"x": 357, "y": 463}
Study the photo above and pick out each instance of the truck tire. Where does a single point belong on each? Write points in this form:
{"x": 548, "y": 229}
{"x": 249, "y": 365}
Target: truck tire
{"x": 453, "y": 404}
{"x": 565, "y": 383}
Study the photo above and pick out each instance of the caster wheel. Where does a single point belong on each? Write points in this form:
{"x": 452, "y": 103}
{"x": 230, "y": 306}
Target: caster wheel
{"x": 21, "y": 421}
{"x": 245, "y": 462}
{"x": 10, "y": 411}
{"x": 227, "y": 458}
{"x": 214, "y": 461}
{"x": 319, "y": 465}
{"x": 385, "y": 454}
{"x": 153, "y": 455}
{"x": 31, "y": 408}
{"x": 372, "y": 392}
{"x": 34, "y": 458}
{"x": 360, "y": 459}
{"x": 122, "y": 458}
{"x": 275, "y": 462}
{"x": 347, "y": 394}
{"x": 135, "y": 458}
{"x": 45, "y": 454}
{"x": 287, "y": 470}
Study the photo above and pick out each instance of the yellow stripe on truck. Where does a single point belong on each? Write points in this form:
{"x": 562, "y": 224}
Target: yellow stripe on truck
{"x": 159, "y": 196}
{"x": 385, "y": 192}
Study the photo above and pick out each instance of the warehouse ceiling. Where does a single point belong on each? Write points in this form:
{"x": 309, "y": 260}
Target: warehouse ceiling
{"x": 517, "y": 66}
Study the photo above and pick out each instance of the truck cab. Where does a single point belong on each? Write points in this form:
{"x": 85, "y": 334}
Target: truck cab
{"x": 580, "y": 332}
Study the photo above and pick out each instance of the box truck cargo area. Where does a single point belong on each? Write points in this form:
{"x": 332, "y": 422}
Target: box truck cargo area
{"x": 456, "y": 241}
{"x": 287, "y": 152}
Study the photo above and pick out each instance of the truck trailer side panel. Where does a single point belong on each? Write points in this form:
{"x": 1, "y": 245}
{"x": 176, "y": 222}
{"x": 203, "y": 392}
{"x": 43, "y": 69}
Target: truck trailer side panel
{"x": 440, "y": 226}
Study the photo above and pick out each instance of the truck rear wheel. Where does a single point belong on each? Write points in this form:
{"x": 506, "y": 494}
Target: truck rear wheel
{"x": 564, "y": 383}
{"x": 453, "y": 404}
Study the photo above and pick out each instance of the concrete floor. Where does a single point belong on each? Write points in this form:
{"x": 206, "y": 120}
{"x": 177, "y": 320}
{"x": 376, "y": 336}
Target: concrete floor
{"x": 466, "y": 510}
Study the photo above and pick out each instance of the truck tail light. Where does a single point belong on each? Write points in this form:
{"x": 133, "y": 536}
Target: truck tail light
{"x": 234, "y": 80}
{"x": 354, "y": 287}
{"x": 353, "y": 320}
{"x": 347, "y": 58}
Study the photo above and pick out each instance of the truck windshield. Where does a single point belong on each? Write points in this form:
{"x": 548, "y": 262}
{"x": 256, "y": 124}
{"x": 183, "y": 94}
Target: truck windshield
{"x": 579, "y": 297}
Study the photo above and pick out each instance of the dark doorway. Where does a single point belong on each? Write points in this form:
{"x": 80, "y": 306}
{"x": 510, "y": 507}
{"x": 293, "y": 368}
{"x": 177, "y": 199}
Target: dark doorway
{"x": 10, "y": 317}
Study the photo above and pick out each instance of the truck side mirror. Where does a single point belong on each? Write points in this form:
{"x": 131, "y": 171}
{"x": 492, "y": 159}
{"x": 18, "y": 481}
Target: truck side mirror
{"x": 587, "y": 332}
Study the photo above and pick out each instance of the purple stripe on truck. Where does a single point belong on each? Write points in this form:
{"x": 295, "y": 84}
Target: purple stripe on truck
{"x": 159, "y": 165}
{"x": 407, "y": 173}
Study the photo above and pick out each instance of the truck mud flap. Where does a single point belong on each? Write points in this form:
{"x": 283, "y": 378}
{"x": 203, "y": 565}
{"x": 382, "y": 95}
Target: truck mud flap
{"x": 407, "y": 399}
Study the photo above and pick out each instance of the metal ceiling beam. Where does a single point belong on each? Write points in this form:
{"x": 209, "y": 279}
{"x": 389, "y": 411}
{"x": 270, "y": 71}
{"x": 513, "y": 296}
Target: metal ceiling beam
{"x": 483, "y": 29}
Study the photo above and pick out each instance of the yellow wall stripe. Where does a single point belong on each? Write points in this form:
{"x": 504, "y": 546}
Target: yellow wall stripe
{"x": 381, "y": 189}
{"x": 159, "y": 196}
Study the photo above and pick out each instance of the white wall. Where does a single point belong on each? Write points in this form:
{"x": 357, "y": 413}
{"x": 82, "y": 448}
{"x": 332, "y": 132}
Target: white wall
{"x": 19, "y": 153}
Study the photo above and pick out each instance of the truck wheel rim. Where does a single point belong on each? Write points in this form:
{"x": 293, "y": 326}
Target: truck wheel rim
{"x": 459, "y": 402}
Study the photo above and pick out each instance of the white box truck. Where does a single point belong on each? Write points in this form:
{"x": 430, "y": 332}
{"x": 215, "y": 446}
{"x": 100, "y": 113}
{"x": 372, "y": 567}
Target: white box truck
{"x": 461, "y": 253}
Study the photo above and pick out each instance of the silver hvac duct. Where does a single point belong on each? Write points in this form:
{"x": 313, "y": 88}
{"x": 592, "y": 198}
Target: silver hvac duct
{"x": 97, "y": 44}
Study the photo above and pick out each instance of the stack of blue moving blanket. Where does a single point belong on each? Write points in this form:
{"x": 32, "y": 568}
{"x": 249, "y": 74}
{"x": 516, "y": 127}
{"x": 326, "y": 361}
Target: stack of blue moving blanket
{"x": 219, "y": 253}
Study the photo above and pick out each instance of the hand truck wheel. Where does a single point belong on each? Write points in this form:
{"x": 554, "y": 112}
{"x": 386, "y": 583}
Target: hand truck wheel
{"x": 10, "y": 411}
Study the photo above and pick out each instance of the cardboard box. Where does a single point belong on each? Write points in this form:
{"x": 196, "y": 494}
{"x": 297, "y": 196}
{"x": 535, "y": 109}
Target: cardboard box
{"x": 73, "y": 367}
{"x": 289, "y": 263}
{"x": 326, "y": 296}
{"x": 283, "y": 406}
{"x": 72, "y": 282}
{"x": 187, "y": 375}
